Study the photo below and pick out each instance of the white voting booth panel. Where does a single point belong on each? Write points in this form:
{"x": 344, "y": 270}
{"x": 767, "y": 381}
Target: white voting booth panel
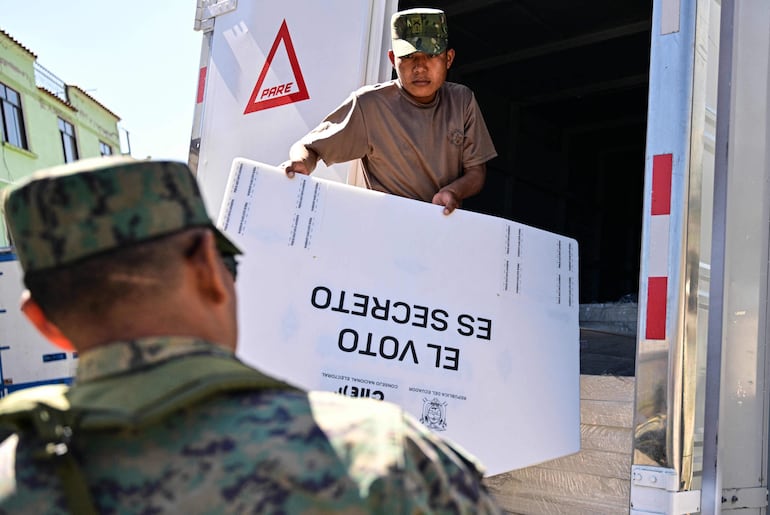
{"x": 467, "y": 321}
{"x": 276, "y": 69}
{"x": 26, "y": 357}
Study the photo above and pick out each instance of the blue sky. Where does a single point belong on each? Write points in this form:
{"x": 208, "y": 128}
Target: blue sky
{"x": 139, "y": 58}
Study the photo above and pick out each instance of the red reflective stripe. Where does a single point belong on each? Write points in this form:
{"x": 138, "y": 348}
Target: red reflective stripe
{"x": 201, "y": 84}
{"x": 661, "y": 184}
{"x": 657, "y": 287}
{"x": 656, "y": 308}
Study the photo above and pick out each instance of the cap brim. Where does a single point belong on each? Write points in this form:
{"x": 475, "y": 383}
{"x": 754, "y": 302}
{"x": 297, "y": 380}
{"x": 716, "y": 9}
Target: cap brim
{"x": 402, "y": 47}
{"x": 224, "y": 244}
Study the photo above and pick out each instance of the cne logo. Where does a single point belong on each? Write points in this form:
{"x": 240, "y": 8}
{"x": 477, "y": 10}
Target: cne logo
{"x": 274, "y": 95}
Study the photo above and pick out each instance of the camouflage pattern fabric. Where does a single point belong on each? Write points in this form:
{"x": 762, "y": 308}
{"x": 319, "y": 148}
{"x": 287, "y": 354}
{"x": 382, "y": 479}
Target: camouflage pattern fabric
{"x": 66, "y": 213}
{"x": 419, "y": 30}
{"x": 251, "y": 452}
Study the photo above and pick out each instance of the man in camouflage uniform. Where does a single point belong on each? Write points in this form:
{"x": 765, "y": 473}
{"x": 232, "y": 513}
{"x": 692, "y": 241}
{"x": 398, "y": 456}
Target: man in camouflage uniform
{"x": 418, "y": 136}
{"x": 123, "y": 265}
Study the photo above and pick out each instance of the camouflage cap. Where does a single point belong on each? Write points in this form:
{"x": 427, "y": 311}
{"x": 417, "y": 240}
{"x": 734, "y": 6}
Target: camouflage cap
{"x": 419, "y": 30}
{"x": 63, "y": 214}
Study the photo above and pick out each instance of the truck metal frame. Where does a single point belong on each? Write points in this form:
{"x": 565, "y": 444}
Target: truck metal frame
{"x": 701, "y": 399}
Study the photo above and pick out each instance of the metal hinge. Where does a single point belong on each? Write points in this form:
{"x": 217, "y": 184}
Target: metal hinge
{"x": 207, "y": 10}
{"x": 655, "y": 490}
{"x": 742, "y": 498}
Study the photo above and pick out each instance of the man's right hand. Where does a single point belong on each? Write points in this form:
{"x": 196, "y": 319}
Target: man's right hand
{"x": 292, "y": 167}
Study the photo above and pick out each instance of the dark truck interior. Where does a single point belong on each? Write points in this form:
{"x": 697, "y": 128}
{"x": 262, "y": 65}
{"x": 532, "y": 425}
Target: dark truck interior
{"x": 563, "y": 88}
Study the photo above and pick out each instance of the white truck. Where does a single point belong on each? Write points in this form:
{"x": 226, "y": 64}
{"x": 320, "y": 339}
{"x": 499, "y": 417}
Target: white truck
{"x": 640, "y": 129}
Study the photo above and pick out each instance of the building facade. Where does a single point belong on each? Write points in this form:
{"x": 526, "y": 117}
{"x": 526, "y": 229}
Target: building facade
{"x": 45, "y": 122}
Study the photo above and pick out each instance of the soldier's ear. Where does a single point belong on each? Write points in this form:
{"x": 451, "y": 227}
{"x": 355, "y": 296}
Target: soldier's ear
{"x": 450, "y": 57}
{"x": 209, "y": 272}
{"x": 35, "y": 314}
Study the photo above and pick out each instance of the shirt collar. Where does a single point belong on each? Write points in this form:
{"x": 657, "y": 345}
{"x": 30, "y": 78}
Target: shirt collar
{"x": 409, "y": 98}
{"x": 125, "y": 356}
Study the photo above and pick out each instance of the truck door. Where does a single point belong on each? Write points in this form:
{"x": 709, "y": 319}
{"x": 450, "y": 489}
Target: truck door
{"x": 270, "y": 71}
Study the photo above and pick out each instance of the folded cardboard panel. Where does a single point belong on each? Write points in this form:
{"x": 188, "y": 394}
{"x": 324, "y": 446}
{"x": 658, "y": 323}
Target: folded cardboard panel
{"x": 468, "y": 321}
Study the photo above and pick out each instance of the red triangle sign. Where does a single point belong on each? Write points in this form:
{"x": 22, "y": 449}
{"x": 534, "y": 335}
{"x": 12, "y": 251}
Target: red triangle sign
{"x": 287, "y": 93}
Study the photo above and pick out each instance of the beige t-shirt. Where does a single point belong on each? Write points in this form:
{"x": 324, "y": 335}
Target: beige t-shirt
{"x": 407, "y": 148}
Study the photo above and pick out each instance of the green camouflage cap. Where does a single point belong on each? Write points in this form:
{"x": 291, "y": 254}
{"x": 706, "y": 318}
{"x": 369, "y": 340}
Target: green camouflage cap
{"x": 419, "y": 30}
{"x": 66, "y": 213}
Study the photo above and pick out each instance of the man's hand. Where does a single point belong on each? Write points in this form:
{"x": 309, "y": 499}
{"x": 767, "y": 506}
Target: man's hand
{"x": 292, "y": 167}
{"x": 468, "y": 184}
{"x": 447, "y": 198}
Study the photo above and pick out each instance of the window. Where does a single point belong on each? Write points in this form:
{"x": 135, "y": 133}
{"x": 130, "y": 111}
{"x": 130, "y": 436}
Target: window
{"x": 105, "y": 149}
{"x": 68, "y": 142}
{"x": 12, "y": 126}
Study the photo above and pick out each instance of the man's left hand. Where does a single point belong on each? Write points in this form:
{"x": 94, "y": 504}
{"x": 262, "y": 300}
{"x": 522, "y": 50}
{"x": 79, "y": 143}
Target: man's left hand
{"x": 448, "y": 199}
